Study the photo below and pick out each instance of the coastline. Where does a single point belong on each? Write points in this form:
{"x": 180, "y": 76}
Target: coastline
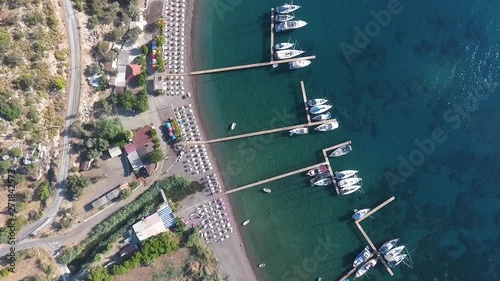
{"x": 232, "y": 254}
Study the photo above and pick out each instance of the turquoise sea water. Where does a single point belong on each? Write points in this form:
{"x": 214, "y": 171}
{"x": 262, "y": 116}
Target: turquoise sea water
{"x": 429, "y": 78}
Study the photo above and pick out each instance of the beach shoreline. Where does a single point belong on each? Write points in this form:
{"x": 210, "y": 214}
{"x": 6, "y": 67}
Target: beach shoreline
{"x": 233, "y": 258}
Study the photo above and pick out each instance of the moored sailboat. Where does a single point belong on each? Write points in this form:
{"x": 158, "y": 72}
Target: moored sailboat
{"x": 365, "y": 267}
{"x": 299, "y": 131}
{"x": 362, "y": 257}
{"x": 316, "y": 171}
{"x": 286, "y": 8}
{"x": 341, "y": 151}
{"x": 283, "y": 17}
{"x": 320, "y": 109}
{"x": 349, "y": 189}
{"x": 388, "y": 246}
{"x": 322, "y": 117}
{"x": 397, "y": 260}
{"x": 358, "y": 214}
{"x": 298, "y": 64}
{"x": 315, "y": 102}
{"x": 345, "y": 174}
{"x": 287, "y": 54}
{"x": 323, "y": 182}
{"x": 283, "y": 46}
{"x": 394, "y": 253}
{"x": 349, "y": 181}
{"x": 327, "y": 127}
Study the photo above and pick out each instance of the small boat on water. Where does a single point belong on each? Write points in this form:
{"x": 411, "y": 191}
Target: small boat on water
{"x": 358, "y": 214}
{"x": 262, "y": 265}
{"x": 345, "y": 174}
{"x": 320, "y": 109}
{"x": 298, "y": 64}
{"x": 286, "y": 8}
{"x": 315, "y": 102}
{"x": 397, "y": 260}
{"x": 323, "y": 182}
{"x": 267, "y": 190}
{"x": 283, "y": 46}
{"x": 299, "y": 131}
{"x": 233, "y": 126}
{"x": 320, "y": 279}
{"x": 362, "y": 257}
{"x": 388, "y": 246}
{"x": 322, "y": 117}
{"x": 319, "y": 177}
{"x": 289, "y": 25}
{"x": 245, "y": 222}
{"x": 287, "y": 54}
{"x": 365, "y": 267}
{"x": 349, "y": 181}
{"x": 283, "y": 17}
{"x": 349, "y": 189}
{"x": 341, "y": 151}
{"x": 327, "y": 127}
{"x": 316, "y": 171}
{"x": 394, "y": 253}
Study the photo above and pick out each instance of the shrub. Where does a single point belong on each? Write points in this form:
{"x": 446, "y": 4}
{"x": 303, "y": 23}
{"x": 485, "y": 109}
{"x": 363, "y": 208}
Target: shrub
{"x": 4, "y": 41}
{"x": 134, "y": 185}
{"x": 13, "y": 59}
{"x": 16, "y": 152}
{"x": 142, "y": 103}
{"x": 145, "y": 50}
{"x": 59, "y": 83}
{"x": 125, "y": 194}
{"x": 142, "y": 79}
{"x": 10, "y": 110}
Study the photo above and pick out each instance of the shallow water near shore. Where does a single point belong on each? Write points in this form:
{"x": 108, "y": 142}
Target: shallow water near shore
{"x": 432, "y": 71}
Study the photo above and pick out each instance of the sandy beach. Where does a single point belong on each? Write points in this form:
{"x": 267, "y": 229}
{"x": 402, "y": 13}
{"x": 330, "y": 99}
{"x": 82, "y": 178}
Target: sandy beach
{"x": 234, "y": 262}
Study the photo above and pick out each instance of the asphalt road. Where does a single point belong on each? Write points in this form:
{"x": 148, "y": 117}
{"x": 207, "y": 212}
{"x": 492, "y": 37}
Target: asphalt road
{"x": 73, "y": 102}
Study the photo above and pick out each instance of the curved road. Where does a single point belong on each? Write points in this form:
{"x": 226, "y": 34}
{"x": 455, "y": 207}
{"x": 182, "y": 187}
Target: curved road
{"x": 73, "y": 102}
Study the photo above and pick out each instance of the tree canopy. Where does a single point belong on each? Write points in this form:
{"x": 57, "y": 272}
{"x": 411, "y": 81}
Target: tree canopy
{"x": 99, "y": 273}
{"x": 76, "y": 184}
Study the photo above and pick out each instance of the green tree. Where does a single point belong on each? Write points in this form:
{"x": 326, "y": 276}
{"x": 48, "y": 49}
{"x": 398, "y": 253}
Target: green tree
{"x": 16, "y": 152}
{"x": 126, "y": 100}
{"x": 24, "y": 82}
{"x": 142, "y": 79}
{"x": 110, "y": 129}
{"x": 99, "y": 273}
{"x": 103, "y": 107}
{"x": 157, "y": 155}
{"x": 133, "y": 34}
{"x": 44, "y": 191}
{"x": 93, "y": 69}
{"x": 142, "y": 103}
{"x": 125, "y": 194}
{"x": 145, "y": 50}
{"x": 76, "y": 184}
{"x": 59, "y": 83}
{"x": 10, "y": 110}
{"x": 4, "y": 41}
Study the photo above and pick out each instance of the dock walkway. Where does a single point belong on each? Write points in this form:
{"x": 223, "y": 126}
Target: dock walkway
{"x": 304, "y": 96}
{"x": 246, "y": 66}
{"x": 272, "y": 34}
{"x": 367, "y": 238}
{"x": 265, "y": 132}
{"x": 327, "y": 159}
{"x": 274, "y": 178}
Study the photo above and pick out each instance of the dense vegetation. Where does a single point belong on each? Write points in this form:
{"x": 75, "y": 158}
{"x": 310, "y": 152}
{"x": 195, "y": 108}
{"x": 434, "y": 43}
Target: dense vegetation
{"x": 98, "y": 136}
{"x": 176, "y": 189}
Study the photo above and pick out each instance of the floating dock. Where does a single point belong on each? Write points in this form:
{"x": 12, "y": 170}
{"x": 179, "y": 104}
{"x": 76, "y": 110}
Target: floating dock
{"x": 265, "y": 132}
{"x": 272, "y": 34}
{"x": 273, "y": 178}
{"x": 327, "y": 159}
{"x": 367, "y": 238}
{"x": 240, "y": 67}
{"x": 304, "y": 96}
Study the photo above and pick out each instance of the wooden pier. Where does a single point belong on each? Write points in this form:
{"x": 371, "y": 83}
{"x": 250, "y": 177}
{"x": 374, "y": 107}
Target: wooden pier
{"x": 304, "y": 96}
{"x": 254, "y": 65}
{"x": 272, "y": 34}
{"x": 367, "y": 238}
{"x": 274, "y": 178}
{"x": 265, "y": 132}
{"x": 327, "y": 159}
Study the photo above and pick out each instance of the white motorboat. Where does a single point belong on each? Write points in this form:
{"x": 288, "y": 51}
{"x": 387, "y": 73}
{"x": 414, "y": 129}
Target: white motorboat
{"x": 286, "y": 8}
{"x": 327, "y": 127}
{"x": 349, "y": 181}
{"x": 262, "y": 265}
{"x": 267, "y": 190}
{"x": 345, "y": 174}
{"x": 315, "y": 102}
{"x": 289, "y": 25}
{"x": 319, "y": 177}
{"x": 233, "y": 126}
{"x": 365, "y": 267}
{"x": 283, "y": 46}
{"x": 323, "y": 182}
{"x": 287, "y": 54}
{"x": 397, "y": 260}
{"x": 349, "y": 189}
{"x": 322, "y": 117}
{"x": 283, "y": 17}
{"x": 394, "y": 253}
{"x": 245, "y": 222}
{"x": 362, "y": 257}
{"x": 341, "y": 151}
{"x": 298, "y": 64}
{"x": 316, "y": 171}
{"x": 388, "y": 246}
{"x": 320, "y": 109}
{"x": 299, "y": 131}
{"x": 358, "y": 214}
